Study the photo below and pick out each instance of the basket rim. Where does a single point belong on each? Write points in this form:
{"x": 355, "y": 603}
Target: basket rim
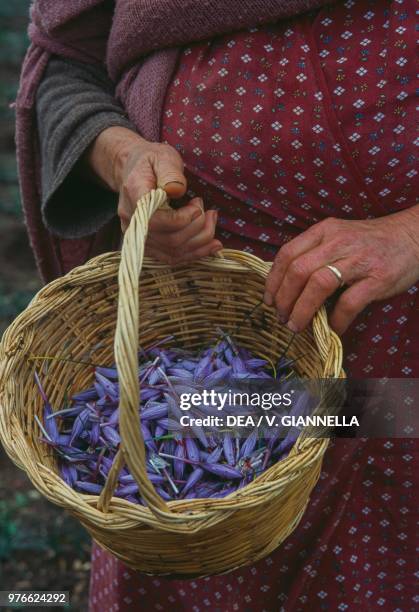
{"x": 18, "y": 335}
{"x": 198, "y": 513}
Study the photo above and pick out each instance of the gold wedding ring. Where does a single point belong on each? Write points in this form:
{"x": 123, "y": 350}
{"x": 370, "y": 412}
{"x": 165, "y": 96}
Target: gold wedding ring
{"x": 337, "y": 273}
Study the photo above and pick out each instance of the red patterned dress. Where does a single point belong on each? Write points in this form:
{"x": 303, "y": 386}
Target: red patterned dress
{"x": 281, "y": 127}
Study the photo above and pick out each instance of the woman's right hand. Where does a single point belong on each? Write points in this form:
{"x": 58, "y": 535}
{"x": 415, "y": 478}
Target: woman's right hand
{"x": 132, "y": 166}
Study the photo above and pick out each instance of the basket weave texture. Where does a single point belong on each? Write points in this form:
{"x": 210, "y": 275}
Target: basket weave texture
{"x": 99, "y": 313}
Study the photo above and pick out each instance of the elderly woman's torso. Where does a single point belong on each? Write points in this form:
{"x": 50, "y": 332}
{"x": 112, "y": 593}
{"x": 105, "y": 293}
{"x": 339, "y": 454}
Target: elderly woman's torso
{"x": 298, "y": 121}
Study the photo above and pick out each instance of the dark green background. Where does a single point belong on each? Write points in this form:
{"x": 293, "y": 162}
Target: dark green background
{"x": 18, "y": 278}
{"x": 40, "y": 546}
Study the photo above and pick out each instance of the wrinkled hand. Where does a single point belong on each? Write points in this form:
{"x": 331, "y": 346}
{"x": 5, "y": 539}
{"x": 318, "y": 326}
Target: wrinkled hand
{"x": 377, "y": 258}
{"x": 133, "y": 166}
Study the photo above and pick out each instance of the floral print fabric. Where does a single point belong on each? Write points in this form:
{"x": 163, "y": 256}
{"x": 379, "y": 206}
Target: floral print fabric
{"x": 280, "y": 127}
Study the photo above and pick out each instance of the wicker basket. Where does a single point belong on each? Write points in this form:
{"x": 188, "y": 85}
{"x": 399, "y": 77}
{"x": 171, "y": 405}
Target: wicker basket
{"x": 74, "y": 319}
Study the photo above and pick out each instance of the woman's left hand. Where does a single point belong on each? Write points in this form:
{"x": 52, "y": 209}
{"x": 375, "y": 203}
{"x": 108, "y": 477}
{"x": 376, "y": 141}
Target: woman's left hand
{"x": 377, "y": 259}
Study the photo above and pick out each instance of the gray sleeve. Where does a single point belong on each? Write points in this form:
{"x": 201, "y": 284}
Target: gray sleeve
{"x": 74, "y": 104}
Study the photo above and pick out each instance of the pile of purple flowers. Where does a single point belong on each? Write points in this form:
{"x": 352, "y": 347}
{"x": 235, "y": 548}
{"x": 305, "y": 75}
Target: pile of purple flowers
{"x": 85, "y": 433}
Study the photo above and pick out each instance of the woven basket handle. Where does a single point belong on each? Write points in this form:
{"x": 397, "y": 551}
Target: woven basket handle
{"x": 126, "y": 346}
{"x": 126, "y": 352}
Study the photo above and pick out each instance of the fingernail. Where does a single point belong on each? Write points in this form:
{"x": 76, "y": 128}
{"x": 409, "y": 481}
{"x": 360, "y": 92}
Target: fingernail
{"x": 268, "y": 299}
{"x": 174, "y": 182}
{"x": 281, "y": 315}
{"x": 199, "y": 205}
{"x": 216, "y": 249}
{"x": 292, "y": 327}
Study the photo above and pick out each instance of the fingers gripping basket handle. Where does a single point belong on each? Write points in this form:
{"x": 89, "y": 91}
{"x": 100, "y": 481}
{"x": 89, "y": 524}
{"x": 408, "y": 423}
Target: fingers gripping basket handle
{"x": 126, "y": 346}
{"x": 126, "y": 350}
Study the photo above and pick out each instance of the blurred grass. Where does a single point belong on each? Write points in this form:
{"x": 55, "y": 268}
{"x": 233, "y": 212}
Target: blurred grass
{"x": 9, "y": 191}
{"x": 13, "y": 302}
{"x": 18, "y": 277}
{"x": 17, "y": 533}
{"x": 17, "y": 8}
{"x": 13, "y": 44}
{"x": 41, "y": 547}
